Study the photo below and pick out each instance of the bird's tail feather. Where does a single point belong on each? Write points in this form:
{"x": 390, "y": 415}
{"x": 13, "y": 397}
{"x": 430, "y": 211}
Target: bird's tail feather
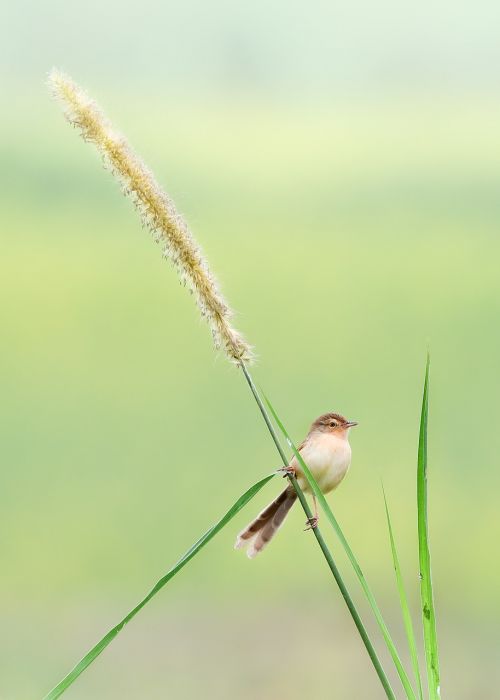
{"x": 261, "y": 530}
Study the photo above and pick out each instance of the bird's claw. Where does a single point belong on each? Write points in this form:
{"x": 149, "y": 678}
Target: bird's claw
{"x": 288, "y": 471}
{"x": 312, "y": 523}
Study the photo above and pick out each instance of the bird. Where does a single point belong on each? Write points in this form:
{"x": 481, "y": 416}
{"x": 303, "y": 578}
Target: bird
{"x": 327, "y": 453}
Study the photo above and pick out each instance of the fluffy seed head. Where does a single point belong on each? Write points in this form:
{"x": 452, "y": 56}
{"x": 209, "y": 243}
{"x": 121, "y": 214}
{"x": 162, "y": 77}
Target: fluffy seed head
{"x": 157, "y": 212}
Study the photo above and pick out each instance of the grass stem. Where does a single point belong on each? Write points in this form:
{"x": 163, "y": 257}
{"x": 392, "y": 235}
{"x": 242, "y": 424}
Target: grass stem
{"x": 319, "y": 538}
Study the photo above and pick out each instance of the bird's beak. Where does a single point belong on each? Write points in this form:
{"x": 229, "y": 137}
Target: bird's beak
{"x": 351, "y": 423}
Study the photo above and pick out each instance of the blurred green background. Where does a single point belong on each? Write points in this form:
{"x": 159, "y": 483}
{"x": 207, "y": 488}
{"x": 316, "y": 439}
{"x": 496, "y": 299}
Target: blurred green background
{"x": 340, "y": 167}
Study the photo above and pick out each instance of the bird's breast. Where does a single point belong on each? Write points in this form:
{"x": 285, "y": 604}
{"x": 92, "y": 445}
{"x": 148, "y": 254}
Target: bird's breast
{"x": 328, "y": 458}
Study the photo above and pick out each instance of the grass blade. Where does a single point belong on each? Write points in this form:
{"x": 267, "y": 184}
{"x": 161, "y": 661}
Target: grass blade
{"x": 426, "y": 596}
{"x": 350, "y": 554}
{"x": 192, "y": 551}
{"x": 405, "y": 609}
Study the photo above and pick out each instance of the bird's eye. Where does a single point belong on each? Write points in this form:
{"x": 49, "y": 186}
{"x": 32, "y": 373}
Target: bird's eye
{"x": 333, "y": 424}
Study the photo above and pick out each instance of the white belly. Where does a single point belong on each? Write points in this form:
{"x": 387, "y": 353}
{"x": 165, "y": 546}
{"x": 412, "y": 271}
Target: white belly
{"x": 328, "y": 457}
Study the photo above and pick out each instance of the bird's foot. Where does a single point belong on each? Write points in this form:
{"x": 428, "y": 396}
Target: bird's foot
{"x": 288, "y": 471}
{"x": 312, "y": 523}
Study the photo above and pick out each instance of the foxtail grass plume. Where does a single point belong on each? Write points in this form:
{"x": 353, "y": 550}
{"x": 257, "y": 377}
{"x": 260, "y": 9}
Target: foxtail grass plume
{"x": 157, "y": 211}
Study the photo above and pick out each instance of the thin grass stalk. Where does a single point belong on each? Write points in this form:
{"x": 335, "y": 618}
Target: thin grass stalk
{"x": 319, "y": 538}
{"x": 162, "y": 219}
{"x": 405, "y": 681}
{"x": 405, "y": 608}
{"x": 426, "y": 594}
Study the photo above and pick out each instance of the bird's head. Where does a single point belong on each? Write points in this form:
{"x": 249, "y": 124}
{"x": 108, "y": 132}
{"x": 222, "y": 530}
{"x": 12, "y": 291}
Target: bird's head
{"x": 332, "y": 423}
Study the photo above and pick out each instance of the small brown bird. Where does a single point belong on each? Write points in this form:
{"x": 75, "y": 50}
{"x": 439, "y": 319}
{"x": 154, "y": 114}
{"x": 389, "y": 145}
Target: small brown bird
{"x": 327, "y": 453}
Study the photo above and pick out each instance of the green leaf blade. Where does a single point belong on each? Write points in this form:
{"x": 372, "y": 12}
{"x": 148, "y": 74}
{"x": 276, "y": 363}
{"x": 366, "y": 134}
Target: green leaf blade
{"x": 405, "y": 608}
{"x": 426, "y": 593}
{"x": 96, "y": 650}
{"x": 405, "y": 681}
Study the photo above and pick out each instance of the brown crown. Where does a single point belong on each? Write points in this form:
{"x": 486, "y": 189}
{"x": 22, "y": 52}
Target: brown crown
{"x": 326, "y": 418}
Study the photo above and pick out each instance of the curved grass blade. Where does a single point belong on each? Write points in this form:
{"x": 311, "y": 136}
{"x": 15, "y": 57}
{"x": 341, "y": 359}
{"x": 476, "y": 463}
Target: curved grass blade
{"x": 403, "y": 600}
{"x": 405, "y": 681}
{"x": 192, "y": 551}
{"x": 426, "y": 596}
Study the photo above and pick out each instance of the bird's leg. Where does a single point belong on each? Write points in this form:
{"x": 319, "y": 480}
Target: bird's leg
{"x": 313, "y": 522}
{"x": 288, "y": 471}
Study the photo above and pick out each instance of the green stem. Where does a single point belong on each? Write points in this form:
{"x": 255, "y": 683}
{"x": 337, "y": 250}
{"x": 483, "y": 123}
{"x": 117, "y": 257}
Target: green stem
{"x": 319, "y": 537}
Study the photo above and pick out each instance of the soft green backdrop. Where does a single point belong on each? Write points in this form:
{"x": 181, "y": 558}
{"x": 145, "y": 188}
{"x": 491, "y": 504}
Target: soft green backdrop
{"x": 352, "y": 217}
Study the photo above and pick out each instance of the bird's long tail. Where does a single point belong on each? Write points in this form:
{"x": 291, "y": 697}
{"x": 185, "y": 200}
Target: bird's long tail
{"x": 261, "y": 530}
